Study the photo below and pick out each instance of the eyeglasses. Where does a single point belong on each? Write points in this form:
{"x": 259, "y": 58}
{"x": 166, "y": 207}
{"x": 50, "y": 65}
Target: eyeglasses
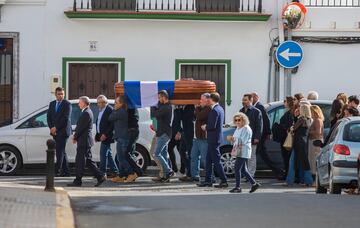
{"x": 237, "y": 120}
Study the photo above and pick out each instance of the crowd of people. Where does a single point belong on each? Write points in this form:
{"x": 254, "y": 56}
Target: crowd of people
{"x": 197, "y": 133}
{"x": 304, "y": 123}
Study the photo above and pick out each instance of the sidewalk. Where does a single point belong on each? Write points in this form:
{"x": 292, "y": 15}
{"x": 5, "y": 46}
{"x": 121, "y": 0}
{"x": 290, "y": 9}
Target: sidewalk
{"x": 23, "y": 206}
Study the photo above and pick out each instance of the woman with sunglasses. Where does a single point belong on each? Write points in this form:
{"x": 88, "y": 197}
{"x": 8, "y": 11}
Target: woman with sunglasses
{"x": 242, "y": 151}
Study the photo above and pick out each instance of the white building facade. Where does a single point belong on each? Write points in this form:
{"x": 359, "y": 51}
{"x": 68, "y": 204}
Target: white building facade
{"x": 86, "y": 47}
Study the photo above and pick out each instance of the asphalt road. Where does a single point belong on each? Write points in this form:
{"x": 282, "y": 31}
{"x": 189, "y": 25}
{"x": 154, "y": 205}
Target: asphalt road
{"x": 218, "y": 210}
{"x": 182, "y": 205}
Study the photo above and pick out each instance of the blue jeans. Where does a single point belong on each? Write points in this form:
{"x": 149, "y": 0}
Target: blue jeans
{"x": 124, "y": 167}
{"x": 305, "y": 176}
{"x": 161, "y": 152}
{"x": 107, "y": 159}
{"x": 290, "y": 178}
{"x": 198, "y": 156}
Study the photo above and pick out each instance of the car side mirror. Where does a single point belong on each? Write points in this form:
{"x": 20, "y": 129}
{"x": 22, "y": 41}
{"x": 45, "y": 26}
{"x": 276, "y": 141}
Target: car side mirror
{"x": 318, "y": 143}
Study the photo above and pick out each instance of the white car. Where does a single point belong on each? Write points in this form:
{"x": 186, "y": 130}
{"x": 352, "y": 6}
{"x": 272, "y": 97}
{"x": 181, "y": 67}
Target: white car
{"x": 24, "y": 142}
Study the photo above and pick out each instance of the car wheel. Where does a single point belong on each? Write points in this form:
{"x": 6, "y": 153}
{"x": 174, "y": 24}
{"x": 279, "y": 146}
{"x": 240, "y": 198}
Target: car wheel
{"x": 140, "y": 155}
{"x": 333, "y": 187}
{"x": 227, "y": 161}
{"x": 10, "y": 160}
{"x": 318, "y": 188}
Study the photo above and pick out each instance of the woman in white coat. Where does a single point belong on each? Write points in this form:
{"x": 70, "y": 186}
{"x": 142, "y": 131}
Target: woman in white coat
{"x": 242, "y": 151}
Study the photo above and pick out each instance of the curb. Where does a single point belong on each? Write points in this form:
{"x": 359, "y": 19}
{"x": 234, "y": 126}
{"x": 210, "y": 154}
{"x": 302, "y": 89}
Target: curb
{"x": 64, "y": 212}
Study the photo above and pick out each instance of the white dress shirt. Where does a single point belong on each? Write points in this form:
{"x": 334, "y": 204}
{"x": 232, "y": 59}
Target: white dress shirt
{"x": 101, "y": 113}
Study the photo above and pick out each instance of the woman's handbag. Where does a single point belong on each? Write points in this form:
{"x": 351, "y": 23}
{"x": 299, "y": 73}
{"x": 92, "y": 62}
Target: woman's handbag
{"x": 288, "y": 144}
{"x": 236, "y": 150}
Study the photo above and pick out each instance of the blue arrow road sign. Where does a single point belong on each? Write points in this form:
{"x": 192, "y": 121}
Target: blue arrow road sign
{"x": 289, "y": 54}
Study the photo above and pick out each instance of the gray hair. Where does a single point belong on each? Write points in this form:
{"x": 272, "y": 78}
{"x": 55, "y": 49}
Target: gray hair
{"x": 85, "y": 99}
{"x": 313, "y": 95}
{"x": 102, "y": 98}
{"x": 206, "y": 95}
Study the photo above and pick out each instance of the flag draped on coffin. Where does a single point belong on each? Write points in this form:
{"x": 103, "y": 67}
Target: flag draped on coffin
{"x": 142, "y": 94}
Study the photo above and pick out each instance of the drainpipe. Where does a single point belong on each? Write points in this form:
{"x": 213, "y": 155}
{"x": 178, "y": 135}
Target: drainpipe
{"x": 270, "y": 72}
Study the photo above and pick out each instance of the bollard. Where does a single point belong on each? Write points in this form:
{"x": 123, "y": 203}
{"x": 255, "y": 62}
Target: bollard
{"x": 50, "y": 165}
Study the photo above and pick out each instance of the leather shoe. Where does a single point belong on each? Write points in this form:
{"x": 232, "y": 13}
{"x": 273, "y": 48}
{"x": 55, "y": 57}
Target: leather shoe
{"x": 235, "y": 190}
{"x": 100, "y": 181}
{"x": 74, "y": 184}
{"x": 222, "y": 185}
{"x": 186, "y": 179}
{"x": 204, "y": 184}
{"x": 254, "y": 187}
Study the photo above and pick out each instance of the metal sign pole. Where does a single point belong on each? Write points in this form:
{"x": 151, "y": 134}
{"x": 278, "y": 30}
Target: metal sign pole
{"x": 288, "y": 77}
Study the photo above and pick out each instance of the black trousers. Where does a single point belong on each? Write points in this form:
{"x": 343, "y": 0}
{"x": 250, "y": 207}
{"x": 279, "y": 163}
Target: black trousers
{"x": 83, "y": 159}
{"x": 286, "y": 158}
{"x": 262, "y": 151}
{"x": 62, "y": 162}
{"x": 171, "y": 146}
{"x": 185, "y": 153}
{"x": 133, "y": 137}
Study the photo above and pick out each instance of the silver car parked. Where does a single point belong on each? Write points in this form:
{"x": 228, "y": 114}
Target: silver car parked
{"x": 338, "y": 160}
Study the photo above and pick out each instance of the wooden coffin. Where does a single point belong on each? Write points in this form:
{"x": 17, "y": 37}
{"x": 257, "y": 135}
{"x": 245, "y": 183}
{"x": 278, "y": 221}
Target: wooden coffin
{"x": 186, "y": 91}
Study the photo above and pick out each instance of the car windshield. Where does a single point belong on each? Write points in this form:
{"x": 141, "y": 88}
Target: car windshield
{"x": 352, "y": 132}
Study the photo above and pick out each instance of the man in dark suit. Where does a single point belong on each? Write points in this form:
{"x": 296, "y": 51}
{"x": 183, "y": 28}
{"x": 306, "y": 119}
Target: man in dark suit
{"x": 187, "y": 137}
{"x": 256, "y": 125}
{"x": 175, "y": 140}
{"x": 261, "y": 148}
{"x": 58, "y": 118}
{"x": 214, "y": 129}
{"x": 84, "y": 140}
{"x": 104, "y": 134}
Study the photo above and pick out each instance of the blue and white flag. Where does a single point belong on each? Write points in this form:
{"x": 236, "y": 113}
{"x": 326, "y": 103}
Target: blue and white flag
{"x": 142, "y": 94}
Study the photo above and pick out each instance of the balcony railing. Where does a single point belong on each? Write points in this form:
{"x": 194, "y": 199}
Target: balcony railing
{"x": 332, "y": 3}
{"x": 254, "y": 6}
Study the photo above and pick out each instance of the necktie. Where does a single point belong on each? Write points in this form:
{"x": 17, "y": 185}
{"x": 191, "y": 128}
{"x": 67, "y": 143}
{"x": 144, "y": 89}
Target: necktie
{"x": 57, "y": 106}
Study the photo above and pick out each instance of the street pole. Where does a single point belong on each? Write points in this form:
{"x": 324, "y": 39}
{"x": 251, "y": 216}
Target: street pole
{"x": 288, "y": 75}
{"x": 50, "y": 165}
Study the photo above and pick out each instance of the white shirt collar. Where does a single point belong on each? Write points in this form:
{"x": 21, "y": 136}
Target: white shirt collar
{"x": 213, "y": 106}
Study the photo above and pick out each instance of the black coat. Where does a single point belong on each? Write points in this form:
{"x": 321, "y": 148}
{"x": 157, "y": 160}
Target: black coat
{"x": 183, "y": 121}
{"x": 256, "y": 121}
{"x": 106, "y": 126}
{"x": 60, "y": 119}
{"x": 301, "y": 129}
{"x": 83, "y": 130}
{"x": 266, "y": 120}
{"x": 286, "y": 122}
{"x": 163, "y": 115}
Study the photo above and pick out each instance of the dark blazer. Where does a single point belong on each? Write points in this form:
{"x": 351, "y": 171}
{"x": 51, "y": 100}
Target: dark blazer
{"x": 60, "y": 119}
{"x": 266, "y": 120}
{"x": 188, "y": 118}
{"x": 83, "y": 130}
{"x": 106, "y": 126}
{"x": 256, "y": 121}
{"x": 214, "y": 127}
{"x": 176, "y": 122}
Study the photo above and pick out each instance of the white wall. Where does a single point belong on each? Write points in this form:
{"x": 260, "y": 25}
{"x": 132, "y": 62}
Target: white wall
{"x": 151, "y": 47}
{"x": 28, "y": 20}
{"x": 329, "y": 68}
